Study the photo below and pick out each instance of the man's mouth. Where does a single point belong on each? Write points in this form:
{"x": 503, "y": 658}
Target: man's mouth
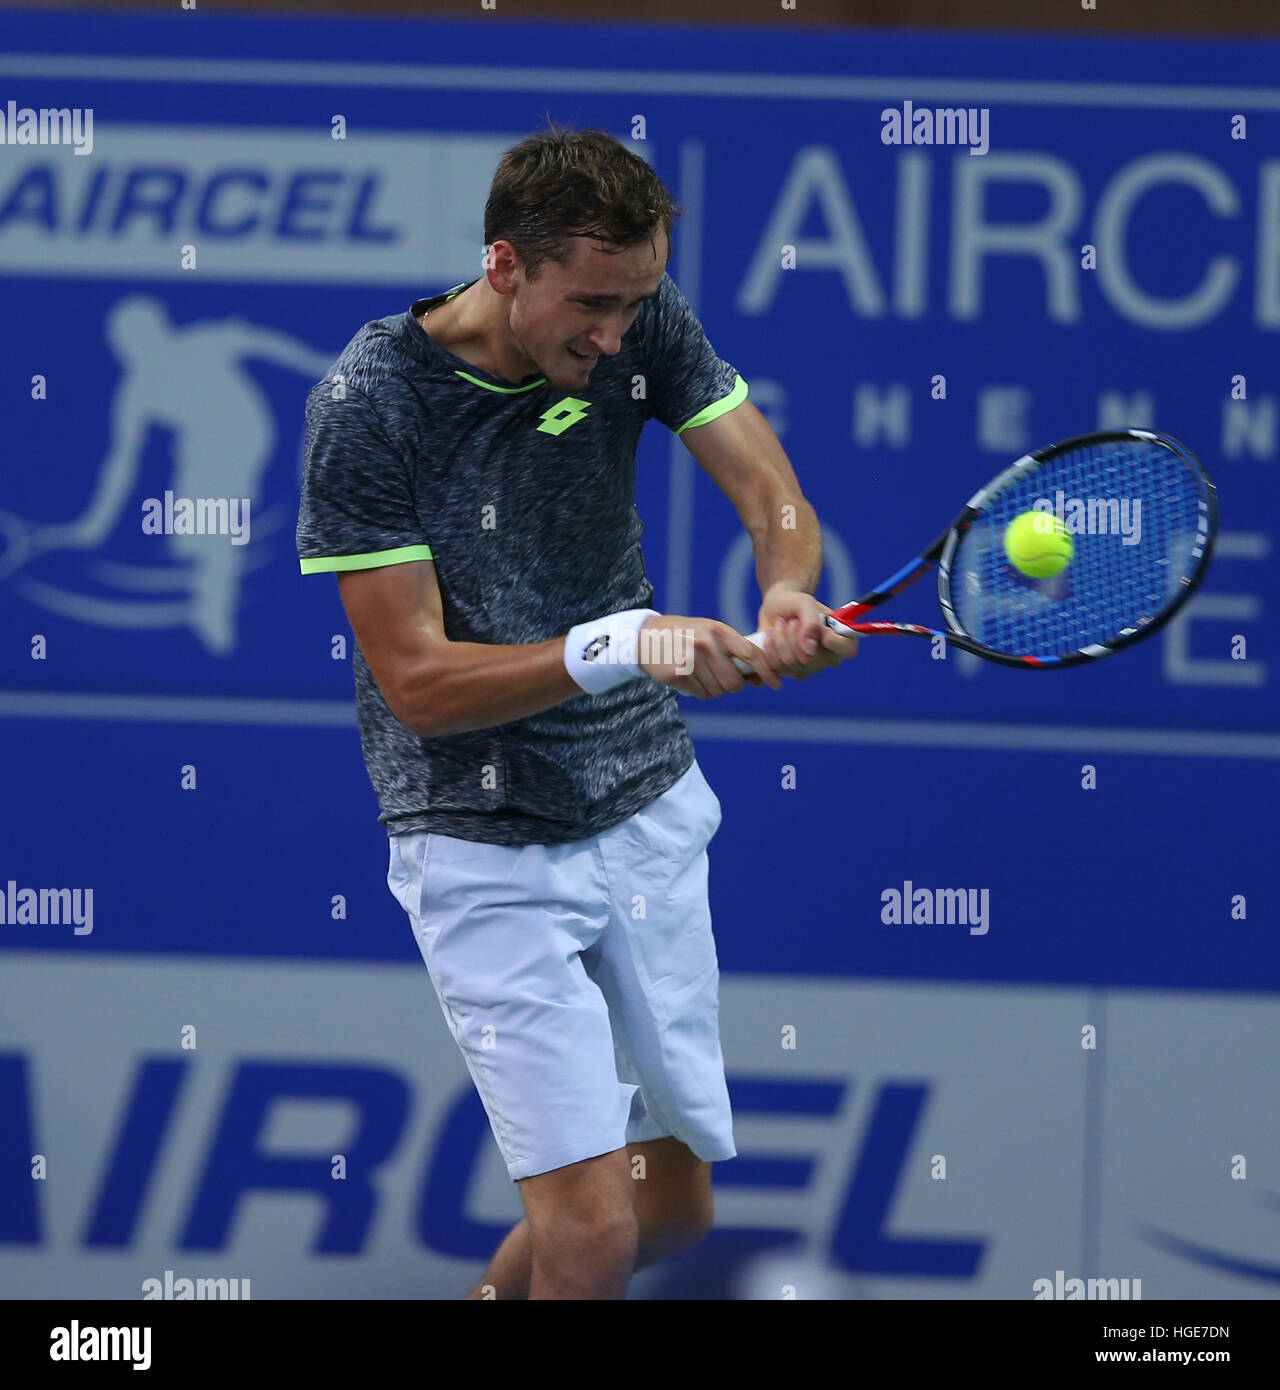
{"x": 582, "y": 356}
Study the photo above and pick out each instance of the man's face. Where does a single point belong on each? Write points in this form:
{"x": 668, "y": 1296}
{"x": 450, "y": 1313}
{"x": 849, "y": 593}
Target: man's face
{"x": 576, "y": 312}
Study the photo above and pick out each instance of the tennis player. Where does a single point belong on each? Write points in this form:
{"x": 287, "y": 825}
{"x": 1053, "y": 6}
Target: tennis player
{"x": 469, "y": 477}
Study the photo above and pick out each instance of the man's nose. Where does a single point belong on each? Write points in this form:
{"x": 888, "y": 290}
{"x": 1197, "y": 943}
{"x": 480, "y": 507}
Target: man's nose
{"x": 607, "y": 338}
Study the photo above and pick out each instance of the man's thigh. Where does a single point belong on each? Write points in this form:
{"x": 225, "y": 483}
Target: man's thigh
{"x": 503, "y": 933}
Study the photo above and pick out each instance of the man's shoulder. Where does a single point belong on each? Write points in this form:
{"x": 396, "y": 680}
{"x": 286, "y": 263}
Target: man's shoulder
{"x": 668, "y": 296}
{"x": 374, "y": 362}
{"x": 666, "y": 320}
{"x": 373, "y": 371}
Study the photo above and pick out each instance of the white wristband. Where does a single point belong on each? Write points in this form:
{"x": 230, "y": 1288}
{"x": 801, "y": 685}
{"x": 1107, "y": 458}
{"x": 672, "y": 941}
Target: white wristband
{"x": 604, "y": 653}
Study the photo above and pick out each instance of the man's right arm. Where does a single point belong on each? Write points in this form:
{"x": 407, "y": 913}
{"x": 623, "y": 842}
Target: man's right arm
{"x": 435, "y": 686}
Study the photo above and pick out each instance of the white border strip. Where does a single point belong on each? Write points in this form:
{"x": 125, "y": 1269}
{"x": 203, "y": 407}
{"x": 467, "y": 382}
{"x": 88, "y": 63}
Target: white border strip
{"x": 787, "y": 87}
{"x": 1005, "y": 738}
{"x": 782, "y": 728}
{"x": 177, "y": 709}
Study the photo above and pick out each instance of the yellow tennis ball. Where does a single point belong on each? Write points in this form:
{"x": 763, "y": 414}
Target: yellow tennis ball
{"x": 1038, "y": 545}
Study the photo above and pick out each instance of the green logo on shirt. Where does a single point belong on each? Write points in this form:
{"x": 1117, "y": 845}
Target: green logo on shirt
{"x": 557, "y": 418}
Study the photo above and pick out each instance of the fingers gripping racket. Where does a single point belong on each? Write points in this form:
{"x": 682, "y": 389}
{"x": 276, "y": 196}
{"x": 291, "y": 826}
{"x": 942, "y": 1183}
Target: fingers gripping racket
{"x": 1141, "y": 518}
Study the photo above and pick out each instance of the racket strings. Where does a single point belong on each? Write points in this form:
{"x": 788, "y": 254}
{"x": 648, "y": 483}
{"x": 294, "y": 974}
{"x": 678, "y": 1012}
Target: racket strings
{"x": 1137, "y": 516}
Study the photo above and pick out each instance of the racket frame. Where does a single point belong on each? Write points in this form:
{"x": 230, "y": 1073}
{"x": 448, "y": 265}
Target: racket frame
{"x": 941, "y": 553}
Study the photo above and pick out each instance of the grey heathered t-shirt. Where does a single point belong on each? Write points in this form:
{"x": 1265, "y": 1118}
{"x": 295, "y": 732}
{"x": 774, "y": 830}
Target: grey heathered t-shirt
{"x": 523, "y": 496}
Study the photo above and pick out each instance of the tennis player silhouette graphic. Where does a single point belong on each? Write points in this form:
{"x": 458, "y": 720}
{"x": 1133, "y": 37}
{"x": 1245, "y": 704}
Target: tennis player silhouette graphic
{"x": 191, "y": 381}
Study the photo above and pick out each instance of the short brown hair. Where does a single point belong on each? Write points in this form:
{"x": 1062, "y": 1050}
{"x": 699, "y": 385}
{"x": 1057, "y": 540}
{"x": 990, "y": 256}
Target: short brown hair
{"x": 560, "y": 183}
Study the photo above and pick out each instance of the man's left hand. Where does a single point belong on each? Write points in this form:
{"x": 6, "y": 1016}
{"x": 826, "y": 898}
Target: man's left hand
{"x": 796, "y": 640}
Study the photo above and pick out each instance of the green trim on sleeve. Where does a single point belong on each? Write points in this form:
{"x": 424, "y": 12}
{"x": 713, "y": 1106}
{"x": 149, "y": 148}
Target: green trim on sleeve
{"x": 330, "y": 564}
{"x": 717, "y": 408}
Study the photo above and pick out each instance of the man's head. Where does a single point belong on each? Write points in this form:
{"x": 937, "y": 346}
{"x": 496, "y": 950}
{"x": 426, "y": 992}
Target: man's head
{"x": 578, "y": 230}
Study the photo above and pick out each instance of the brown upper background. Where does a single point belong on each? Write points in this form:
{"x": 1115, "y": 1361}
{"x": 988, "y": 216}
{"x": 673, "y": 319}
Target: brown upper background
{"x": 1203, "y": 17}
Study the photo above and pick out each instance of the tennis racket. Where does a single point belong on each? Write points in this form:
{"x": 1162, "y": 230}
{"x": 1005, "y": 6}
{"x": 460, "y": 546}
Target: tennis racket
{"x": 1142, "y": 515}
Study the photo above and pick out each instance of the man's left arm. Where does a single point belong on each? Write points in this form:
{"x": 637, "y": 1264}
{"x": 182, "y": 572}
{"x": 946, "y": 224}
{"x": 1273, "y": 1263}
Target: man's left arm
{"x": 741, "y": 454}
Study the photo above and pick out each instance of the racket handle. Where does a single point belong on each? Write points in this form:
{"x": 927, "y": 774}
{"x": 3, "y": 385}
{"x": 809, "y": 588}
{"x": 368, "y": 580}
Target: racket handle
{"x": 758, "y": 639}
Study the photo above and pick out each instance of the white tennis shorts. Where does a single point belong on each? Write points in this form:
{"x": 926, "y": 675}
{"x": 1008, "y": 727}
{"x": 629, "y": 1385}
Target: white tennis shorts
{"x": 580, "y": 980}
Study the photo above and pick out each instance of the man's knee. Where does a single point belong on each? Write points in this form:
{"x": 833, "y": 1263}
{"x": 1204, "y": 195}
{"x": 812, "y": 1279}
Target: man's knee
{"x": 675, "y": 1229}
{"x": 585, "y": 1206}
{"x": 612, "y": 1227}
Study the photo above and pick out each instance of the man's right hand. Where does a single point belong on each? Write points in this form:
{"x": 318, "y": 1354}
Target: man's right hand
{"x": 695, "y": 656}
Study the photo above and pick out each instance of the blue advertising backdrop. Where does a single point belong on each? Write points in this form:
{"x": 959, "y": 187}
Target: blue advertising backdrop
{"x": 908, "y": 318}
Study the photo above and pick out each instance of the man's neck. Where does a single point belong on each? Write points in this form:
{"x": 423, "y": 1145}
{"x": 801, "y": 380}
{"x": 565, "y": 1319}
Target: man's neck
{"x": 463, "y": 327}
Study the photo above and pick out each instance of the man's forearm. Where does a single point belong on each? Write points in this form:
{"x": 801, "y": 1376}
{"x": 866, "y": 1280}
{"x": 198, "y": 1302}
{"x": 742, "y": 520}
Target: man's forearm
{"x": 788, "y": 550}
{"x": 478, "y": 686}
